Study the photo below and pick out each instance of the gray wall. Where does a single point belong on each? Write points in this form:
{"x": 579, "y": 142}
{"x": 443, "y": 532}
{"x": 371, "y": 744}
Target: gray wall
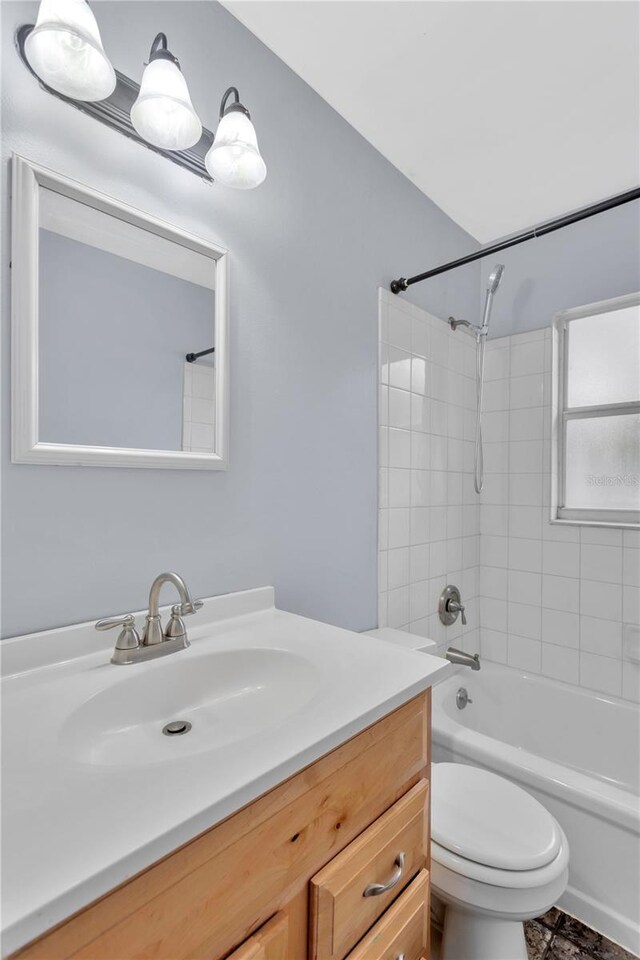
{"x": 113, "y": 338}
{"x": 333, "y": 220}
{"x": 593, "y": 260}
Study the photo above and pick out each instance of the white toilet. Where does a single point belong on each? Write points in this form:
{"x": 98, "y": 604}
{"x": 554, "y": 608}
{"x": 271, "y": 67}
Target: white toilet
{"x": 498, "y": 857}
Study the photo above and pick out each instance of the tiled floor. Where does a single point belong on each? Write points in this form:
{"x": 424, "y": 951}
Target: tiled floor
{"x": 556, "y": 936}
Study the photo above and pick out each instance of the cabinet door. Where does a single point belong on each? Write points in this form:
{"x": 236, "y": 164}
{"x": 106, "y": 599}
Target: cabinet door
{"x": 357, "y": 886}
{"x": 270, "y": 942}
{"x": 403, "y": 931}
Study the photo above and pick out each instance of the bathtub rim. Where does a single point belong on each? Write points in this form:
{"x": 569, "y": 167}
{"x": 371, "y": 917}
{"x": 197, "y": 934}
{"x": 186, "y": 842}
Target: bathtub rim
{"x": 613, "y": 803}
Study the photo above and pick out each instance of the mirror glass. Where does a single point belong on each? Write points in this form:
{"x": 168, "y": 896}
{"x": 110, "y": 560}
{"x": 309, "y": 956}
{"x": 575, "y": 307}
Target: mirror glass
{"x": 119, "y": 310}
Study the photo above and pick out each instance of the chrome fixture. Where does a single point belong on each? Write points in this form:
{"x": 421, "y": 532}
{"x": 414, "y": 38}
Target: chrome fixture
{"x": 377, "y": 889}
{"x": 462, "y": 698}
{"x": 472, "y": 660}
{"x": 454, "y": 324}
{"x": 450, "y": 605}
{"x": 177, "y": 728}
{"x": 131, "y": 648}
{"x": 64, "y": 52}
{"x": 481, "y": 335}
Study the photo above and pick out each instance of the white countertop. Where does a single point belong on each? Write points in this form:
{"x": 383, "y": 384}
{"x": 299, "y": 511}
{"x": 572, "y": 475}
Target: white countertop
{"x": 74, "y": 826}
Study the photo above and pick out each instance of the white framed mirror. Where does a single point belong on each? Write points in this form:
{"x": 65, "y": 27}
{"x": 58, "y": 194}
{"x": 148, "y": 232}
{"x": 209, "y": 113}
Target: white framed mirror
{"x": 119, "y": 332}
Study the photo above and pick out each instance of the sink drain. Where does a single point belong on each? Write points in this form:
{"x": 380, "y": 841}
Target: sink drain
{"x": 176, "y": 728}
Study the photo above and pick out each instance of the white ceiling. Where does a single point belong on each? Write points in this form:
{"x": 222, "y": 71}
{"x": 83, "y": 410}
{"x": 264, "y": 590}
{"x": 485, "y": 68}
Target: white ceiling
{"x": 504, "y": 113}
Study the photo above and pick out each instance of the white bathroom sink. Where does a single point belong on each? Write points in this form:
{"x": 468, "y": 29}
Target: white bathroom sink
{"x": 227, "y": 696}
{"x": 93, "y": 792}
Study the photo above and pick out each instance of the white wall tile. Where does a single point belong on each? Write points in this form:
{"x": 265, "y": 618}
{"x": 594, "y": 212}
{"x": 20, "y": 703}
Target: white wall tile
{"x": 560, "y": 593}
{"x": 631, "y": 681}
{"x": 399, "y": 526}
{"x": 493, "y": 614}
{"x": 560, "y": 663}
{"x": 525, "y": 554}
{"x": 631, "y": 604}
{"x": 525, "y": 654}
{"x": 601, "y": 563}
{"x": 526, "y": 391}
{"x": 493, "y": 550}
{"x": 526, "y": 424}
{"x": 399, "y": 408}
{"x": 399, "y": 487}
{"x": 603, "y": 637}
{"x": 599, "y": 599}
{"x": 398, "y": 328}
{"x": 397, "y": 568}
{"x": 527, "y": 358}
{"x": 631, "y": 567}
{"x": 525, "y": 620}
{"x": 493, "y": 645}
{"x": 399, "y": 365}
{"x": 399, "y": 442}
{"x": 525, "y": 587}
{"x": 561, "y": 628}
{"x": 398, "y": 607}
{"x": 601, "y": 673}
{"x": 561, "y": 559}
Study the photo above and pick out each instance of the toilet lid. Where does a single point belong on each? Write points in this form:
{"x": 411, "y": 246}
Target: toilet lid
{"x": 482, "y": 817}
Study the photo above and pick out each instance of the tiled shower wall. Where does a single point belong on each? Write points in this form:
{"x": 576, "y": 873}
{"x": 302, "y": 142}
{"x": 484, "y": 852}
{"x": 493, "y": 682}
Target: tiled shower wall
{"x": 563, "y": 601}
{"x": 429, "y": 515}
{"x": 558, "y": 600}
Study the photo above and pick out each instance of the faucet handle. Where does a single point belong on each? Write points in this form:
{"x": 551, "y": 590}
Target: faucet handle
{"x": 128, "y": 639}
{"x": 127, "y": 620}
{"x": 186, "y": 609}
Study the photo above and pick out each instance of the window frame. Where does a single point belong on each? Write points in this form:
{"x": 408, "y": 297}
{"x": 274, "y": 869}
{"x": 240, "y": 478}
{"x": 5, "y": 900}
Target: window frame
{"x": 560, "y": 415}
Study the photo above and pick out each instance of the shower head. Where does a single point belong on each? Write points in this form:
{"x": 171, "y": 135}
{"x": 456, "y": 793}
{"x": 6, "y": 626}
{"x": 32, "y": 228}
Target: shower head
{"x": 492, "y": 285}
{"x": 495, "y": 277}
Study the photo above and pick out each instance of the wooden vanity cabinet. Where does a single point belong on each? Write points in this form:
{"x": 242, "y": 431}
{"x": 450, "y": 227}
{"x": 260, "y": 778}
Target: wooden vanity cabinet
{"x": 284, "y": 878}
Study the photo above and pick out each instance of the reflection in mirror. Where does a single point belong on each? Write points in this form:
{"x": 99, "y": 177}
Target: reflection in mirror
{"x": 119, "y": 332}
{"x": 117, "y": 318}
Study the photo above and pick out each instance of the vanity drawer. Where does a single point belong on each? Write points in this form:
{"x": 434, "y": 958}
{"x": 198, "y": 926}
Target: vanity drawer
{"x": 387, "y": 855}
{"x": 403, "y": 931}
{"x": 270, "y": 942}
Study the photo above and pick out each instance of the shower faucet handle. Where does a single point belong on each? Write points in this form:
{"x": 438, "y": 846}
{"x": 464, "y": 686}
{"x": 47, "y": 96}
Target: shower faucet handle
{"x": 450, "y": 606}
{"x": 457, "y": 607}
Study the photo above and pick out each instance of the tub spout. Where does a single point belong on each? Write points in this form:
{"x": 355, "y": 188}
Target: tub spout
{"x": 466, "y": 659}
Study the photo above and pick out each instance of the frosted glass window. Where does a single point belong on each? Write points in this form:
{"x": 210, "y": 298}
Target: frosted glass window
{"x": 596, "y": 413}
{"x": 603, "y": 362}
{"x": 603, "y": 463}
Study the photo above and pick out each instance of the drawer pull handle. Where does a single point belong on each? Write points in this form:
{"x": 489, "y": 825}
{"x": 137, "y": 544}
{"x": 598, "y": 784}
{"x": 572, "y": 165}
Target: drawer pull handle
{"x": 400, "y": 956}
{"x": 376, "y": 889}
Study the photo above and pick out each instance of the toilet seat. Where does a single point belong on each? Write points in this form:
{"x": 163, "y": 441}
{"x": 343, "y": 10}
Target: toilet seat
{"x": 482, "y": 824}
{"x": 508, "y": 879}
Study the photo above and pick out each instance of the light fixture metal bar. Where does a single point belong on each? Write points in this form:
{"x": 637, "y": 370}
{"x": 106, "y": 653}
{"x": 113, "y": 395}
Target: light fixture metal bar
{"x": 115, "y": 113}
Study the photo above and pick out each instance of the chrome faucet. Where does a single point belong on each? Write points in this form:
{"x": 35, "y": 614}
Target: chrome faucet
{"x": 466, "y": 659}
{"x": 131, "y": 648}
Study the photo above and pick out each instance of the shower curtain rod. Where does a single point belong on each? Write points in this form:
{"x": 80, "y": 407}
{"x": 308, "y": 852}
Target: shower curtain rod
{"x": 402, "y": 283}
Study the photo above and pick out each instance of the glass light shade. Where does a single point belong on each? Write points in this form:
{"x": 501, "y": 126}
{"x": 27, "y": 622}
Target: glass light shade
{"x": 234, "y": 158}
{"x": 163, "y": 114}
{"x": 66, "y": 51}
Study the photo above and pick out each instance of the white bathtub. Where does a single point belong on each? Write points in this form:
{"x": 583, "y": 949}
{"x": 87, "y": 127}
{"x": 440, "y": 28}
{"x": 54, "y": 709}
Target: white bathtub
{"x": 579, "y": 753}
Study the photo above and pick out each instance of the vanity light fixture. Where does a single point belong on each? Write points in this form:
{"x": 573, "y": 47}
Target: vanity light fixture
{"x": 65, "y": 50}
{"x": 234, "y": 158}
{"x": 163, "y": 113}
